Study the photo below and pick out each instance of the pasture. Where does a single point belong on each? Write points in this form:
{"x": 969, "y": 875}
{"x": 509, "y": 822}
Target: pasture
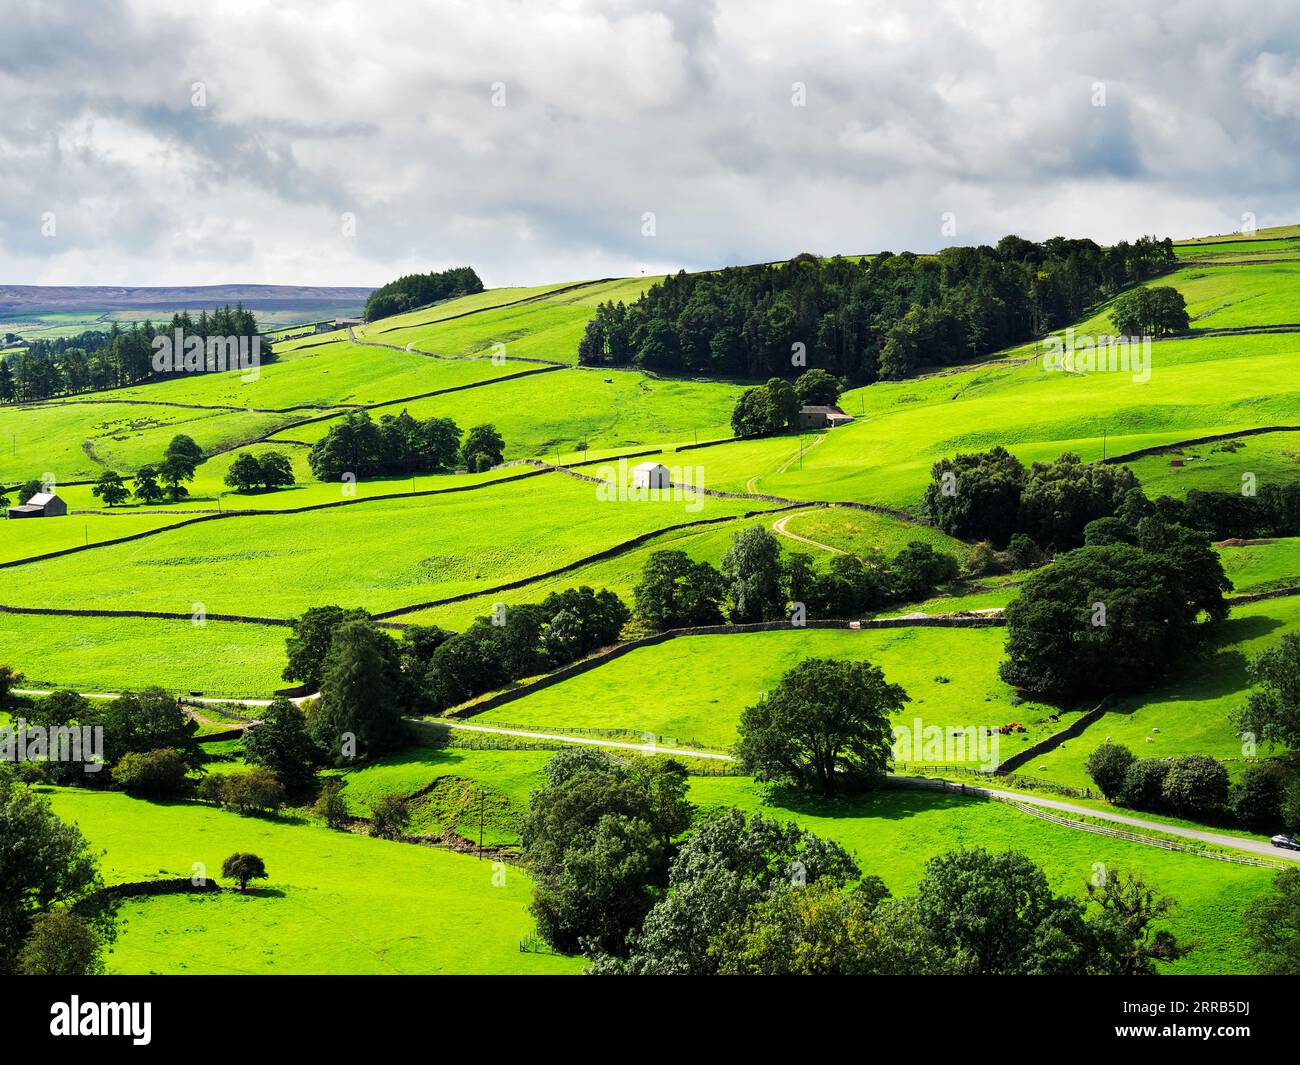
{"x": 335, "y": 902}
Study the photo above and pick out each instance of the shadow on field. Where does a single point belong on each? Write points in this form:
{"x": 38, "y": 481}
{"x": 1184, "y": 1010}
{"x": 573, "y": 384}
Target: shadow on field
{"x": 893, "y": 804}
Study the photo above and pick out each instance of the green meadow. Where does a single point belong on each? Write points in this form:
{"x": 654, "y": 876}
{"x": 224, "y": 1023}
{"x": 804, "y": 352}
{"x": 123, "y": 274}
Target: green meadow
{"x": 694, "y": 688}
{"x": 1271, "y": 458}
{"x": 380, "y": 555}
{"x": 335, "y": 902}
{"x": 113, "y": 654}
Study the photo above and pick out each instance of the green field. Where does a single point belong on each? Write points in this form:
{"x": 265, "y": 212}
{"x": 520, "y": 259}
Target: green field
{"x": 693, "y": 689}
{"x": 113, "y": 654}
{"x": 1273, "y": 458}
{"x": 416, "y": 550}
{"x": 335, "y": 902}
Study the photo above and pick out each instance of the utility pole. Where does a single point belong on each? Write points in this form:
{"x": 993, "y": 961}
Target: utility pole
{"x": 482, "y": 802}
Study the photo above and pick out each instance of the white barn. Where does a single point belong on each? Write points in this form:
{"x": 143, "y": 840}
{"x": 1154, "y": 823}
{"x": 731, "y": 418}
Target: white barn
{"x": 651, "y": 475}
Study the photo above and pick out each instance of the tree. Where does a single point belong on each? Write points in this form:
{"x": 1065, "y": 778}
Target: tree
{"x": 257, "y": 791}
{"x": 245, "y": 472}
{"x": 362, "y": 693}
{"x": 1060, "y": 498}
{"x": 1150, "y": 312}
{"x": 825, "y": 717}
{"x": 277, "y": 470}
{"x": 818, "y": 930}
{"x": 331, "y": 807}
{"x": 173, "y": 471}
{"x": 1144, "y": 784}
{"x": 1272, "y": 925}
{"x": 729, "y": 863}
{"x": 310, "y": 640}
{"x": 61, "y": 944}
{"x": 997, "y": 915}
{"x": 753, "y": 414}
{"x": 676, "y": 592}
{"x": 1257, "y": 798}
{"x": 483, "y": 448}
{"x": 158, "y": 774}
{"x": 147, "y": 488}
{"x": 817, "y": 388}
{"x": 44, "y": 863}
{"x": 1108, "y": 766}
{"x": 597, "y": 838}
{"x": 389, "y": 816}
{"x": 1272, "y": 711}
{"x": 184, "y": 451}
{"x": 243, "y": 867}
{"x": 1195, "y": 786}
{"x": 976, "y": 496}
{"x": 8, "y": 678}
{"x": 149, "y": 720}
{"x": 919, "y": 568}
{"x": 110, "y": 489}
{"x": 751, "y": 567}
{"x": 1107, "y": 619}
{"x": 281, "y": 743}
{"x": 1128, "y": 909}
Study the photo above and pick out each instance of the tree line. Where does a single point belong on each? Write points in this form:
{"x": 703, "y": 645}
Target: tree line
{"x": 880, "y": 317}
{"x": 114, "y": 358}
{"x": 418, "y": 290}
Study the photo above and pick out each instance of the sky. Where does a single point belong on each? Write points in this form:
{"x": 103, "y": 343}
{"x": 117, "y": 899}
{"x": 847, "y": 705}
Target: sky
{"x": 316, "y": 142}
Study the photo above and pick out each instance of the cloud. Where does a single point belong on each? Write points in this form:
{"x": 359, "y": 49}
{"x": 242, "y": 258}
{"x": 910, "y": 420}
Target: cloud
{"x": 318, "y": 109}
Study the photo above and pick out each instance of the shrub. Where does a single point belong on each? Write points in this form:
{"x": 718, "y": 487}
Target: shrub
{"x": 1108, "y": 767}
{"x": 1196, "y": 785}
{"x": 1144, "y": 783}
{"x": 161, "y": 773}
{"x": 331, "y": 807}
{"x": 390, "y": 816}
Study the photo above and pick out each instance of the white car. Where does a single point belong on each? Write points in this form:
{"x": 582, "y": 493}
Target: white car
{"x": 1289, "y": 842}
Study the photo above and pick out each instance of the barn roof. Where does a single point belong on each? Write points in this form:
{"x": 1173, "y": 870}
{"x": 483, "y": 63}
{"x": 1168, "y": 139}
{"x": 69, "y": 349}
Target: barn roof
{"x": 650, "y": 466}
{"x": 813, "y": 408}
{"x": 40, "y": 499}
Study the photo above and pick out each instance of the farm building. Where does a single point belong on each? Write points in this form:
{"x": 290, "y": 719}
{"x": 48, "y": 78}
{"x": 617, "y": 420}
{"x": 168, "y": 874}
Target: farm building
{"x": 818, "y": 417}
{"x": 346, "y": 323}
{"x": 41, "y": 505}
{"x": 651, "y": 475}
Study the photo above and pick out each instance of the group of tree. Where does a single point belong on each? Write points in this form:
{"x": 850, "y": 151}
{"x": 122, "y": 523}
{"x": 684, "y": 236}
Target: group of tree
{"x": 1273, "y": 510}
{"x": 270, "y": 470}
{"x": 413, "y": 291}
{"x": 401, "y": 444}
{"x": 748, "y": 894}
{"x": 1116, "y": 614}
{"x": 521, "y": 641}
{"x": 884, "y": 316}
{"x": 774, "y": 407}
{"x": 99, "y": 359}
{"x": 758, "y": 582}
{"x": 991, "y": 496}
{"x": 1150, "y": 311}
{"x": 52, "y": 922}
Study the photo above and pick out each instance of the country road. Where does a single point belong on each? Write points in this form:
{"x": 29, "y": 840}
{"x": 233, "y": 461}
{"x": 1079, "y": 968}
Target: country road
{"x": 779, "y": 527}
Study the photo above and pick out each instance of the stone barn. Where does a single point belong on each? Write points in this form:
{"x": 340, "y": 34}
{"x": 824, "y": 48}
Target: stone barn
{"x": 41, "y": 505}
{"x": 819, "y": 417}
{"x": 651, "y": 475}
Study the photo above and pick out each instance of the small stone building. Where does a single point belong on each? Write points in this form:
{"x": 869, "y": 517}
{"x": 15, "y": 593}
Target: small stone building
{"x": 651, "y": 475}
{"x": 819, "y": 417}
{"x": 41, "y": 505}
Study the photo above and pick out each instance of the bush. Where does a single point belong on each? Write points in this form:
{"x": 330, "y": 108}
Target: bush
{"x": 1144, "y": 783}
{"x": 331, "y": 807}
{"x": 1196, "y": 786}
{"x": 158, "y": 774}
{"x": 257, "y": 791}
{"x": 1108, "y": 767}
{"x": 390, "y": 816}
{"x": 1257, "y": 798}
